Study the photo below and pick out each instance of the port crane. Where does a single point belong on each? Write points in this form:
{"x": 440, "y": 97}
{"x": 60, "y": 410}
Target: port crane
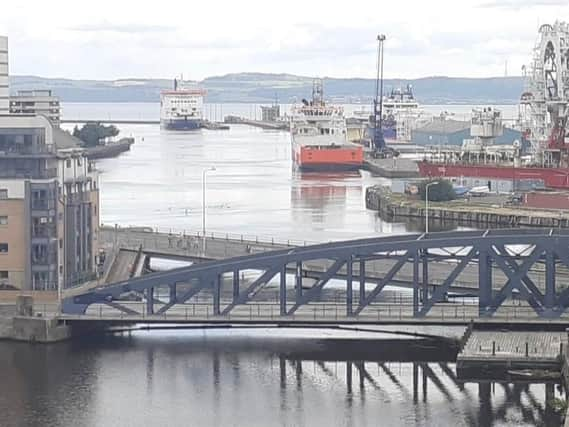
{"x": 380, "y": 148}
{"x": 545, "y": 102}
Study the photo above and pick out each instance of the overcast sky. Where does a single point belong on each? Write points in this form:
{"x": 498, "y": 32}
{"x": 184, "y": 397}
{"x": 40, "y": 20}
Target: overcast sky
{"x": 109, "y": 39}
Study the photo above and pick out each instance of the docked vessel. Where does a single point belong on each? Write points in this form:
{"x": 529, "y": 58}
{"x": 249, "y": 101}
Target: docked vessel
{"x": 401, "y": 114}
{"x": 319, "y": 137}
{"x": 182, "y": 107}
{"x": 544, "y": 114}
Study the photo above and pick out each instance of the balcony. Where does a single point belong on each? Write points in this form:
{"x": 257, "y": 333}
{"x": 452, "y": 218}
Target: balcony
{"x": 43, "y": 204}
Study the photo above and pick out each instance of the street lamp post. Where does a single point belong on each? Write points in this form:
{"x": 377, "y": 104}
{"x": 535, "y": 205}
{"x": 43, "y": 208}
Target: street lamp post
{"x": 427, "y": 204}
{"x": 204, "y": 173}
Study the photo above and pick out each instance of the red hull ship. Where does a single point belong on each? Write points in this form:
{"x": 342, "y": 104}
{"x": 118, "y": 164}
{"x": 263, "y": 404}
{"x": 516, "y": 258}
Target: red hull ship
{"x": 544, "y": 113}
{"x": 551, "y": 177}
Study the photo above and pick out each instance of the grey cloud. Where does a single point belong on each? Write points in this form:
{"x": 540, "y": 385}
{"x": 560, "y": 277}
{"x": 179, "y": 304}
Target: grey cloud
{"x": 521, "y": 4}
{"x": 121, "y": 28}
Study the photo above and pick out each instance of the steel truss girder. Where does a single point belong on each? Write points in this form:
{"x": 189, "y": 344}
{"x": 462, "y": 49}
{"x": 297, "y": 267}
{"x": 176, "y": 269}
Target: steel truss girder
{"x": 489, "y": 245}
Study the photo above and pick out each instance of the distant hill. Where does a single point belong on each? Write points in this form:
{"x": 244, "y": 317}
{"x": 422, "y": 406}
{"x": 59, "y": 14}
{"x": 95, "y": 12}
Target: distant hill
{"x": 264, "y": 88}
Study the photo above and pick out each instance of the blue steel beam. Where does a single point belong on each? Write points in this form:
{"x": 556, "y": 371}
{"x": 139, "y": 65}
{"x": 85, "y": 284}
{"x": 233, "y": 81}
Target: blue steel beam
{"x": 274, "y": 262}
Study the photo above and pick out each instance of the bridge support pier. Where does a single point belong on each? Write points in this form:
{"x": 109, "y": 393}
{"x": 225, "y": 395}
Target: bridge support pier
{"x": 282, "y": 291}
{"x": 484, "y": 283}
{"x": 216, "y": 294}
{"x": 362, "y": 281}
{"x": 235, "y": 286}
{"x": 150, "y": 301}
{"x": 425, "y": 280}
{"x": 298, "y": 281}
{"x": 349, "y": 287}
{"x": 416, "y": 283}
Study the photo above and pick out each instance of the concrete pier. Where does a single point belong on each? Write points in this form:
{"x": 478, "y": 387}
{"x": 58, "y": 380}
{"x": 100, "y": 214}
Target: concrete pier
{"x": 399, "y": 207}
{"x": 392, "y": 168}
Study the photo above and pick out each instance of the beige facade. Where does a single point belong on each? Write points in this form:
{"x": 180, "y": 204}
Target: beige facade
{"x": 4, "y": 77}
{"x": 12, "y": 234}
{"x": 41, "y": 102}
{"x": 49, "y": 209}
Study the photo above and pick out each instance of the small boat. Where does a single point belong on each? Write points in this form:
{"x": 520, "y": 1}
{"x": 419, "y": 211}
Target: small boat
{"x": 533, "y": 374}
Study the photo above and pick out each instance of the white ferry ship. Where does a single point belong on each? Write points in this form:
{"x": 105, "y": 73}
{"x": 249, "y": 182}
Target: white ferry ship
{"x": 182, "y": 108}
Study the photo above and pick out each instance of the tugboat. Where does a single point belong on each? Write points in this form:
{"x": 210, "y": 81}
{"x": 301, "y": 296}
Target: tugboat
{"x": 319, "y": 138}
{"x": 182, "y": 107}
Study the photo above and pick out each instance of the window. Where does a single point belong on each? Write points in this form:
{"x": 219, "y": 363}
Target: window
{"x": 68, "y": 163}
{"x": 3, "y": 248}
{"x": 3, "y": 220}
{"x": 78, "y": 161}
{"x": 3, "y": 193}
{"x": 3, "y": 275}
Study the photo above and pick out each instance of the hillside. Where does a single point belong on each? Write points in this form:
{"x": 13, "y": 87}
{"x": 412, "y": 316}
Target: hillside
{"x": 263, "y": 88}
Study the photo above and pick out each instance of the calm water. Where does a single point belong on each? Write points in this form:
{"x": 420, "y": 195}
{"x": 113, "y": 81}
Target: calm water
{"x": 253, "y": 190}
{"x": 228, "y": 378}
{"x": 175, "y": 378}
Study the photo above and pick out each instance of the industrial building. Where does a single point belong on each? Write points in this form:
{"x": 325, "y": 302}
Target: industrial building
{"x": 443, "y": 131}
{"x": 37, "y": 102}
{"x": 49, "y": 208}
{"x": 270, "y": 113}
{"x": 4, "y": 77}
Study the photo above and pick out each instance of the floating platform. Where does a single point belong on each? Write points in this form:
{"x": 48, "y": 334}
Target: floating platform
{"x": 529, "y": 355}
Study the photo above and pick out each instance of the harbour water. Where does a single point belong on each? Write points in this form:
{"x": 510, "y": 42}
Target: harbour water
{"x": 247, "y": 378}
{"x": 216, "y": 378}
{"x": 253, "y": 190}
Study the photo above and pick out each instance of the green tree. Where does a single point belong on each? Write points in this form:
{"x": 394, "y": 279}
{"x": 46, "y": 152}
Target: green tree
{"x": 440, "y": 190}
{"x": 93, "y": 133}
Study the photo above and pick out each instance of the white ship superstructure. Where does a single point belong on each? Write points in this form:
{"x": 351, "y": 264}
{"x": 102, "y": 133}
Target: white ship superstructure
{"x": 182, "y": 108}
{"x": 319, "y": 135}
{"x": 401, "y": 115}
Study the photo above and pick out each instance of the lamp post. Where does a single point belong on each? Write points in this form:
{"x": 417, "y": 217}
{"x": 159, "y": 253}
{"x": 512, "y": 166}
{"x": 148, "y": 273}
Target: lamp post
{"x": 204, "y": 174}
{"x": 427, "y": 204}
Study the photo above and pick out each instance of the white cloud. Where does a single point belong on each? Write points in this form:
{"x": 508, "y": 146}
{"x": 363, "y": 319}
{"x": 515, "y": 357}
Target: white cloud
{"x": 130, "y": 38}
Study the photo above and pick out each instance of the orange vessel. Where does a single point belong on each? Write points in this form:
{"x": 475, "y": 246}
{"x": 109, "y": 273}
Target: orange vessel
{"x": 319, "y": 136}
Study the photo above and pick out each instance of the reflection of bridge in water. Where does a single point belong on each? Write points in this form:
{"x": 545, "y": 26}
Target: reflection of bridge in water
{"x": 425, "y": 390}
{"x": 501, "y": 268}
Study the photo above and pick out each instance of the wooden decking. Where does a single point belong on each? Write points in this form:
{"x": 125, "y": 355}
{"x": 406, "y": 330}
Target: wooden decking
{"x": 509, "y": 350}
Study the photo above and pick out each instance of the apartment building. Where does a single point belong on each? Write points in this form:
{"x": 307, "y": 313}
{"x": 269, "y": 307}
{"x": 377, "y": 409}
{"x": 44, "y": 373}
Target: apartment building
{"x": 4, "y": 77}
{"x": 49, "y": 208}
{"x": 38, "y": 102}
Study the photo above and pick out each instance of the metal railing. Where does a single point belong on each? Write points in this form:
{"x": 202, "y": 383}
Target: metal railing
{"x": 213, "y": 235}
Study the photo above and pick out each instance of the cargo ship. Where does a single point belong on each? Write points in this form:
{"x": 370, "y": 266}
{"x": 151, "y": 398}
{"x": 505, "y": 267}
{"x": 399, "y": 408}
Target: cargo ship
{"x": 319, "y": 137}
{"x": 544, "y": 113}
{"x": 182, "y": 108}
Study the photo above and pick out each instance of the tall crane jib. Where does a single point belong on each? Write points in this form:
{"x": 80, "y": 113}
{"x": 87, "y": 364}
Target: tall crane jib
{"x": 378, "y": 139}
{"x": 546, "y": 98}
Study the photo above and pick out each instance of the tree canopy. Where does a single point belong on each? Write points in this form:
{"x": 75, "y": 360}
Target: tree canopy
{"x": 92, "y": 133}
{"x": 440, "y": 190}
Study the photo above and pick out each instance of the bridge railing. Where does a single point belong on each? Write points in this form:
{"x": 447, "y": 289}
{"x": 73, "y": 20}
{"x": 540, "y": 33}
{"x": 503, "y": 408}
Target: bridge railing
{"x": 213, "y": 235}
{"x": 199, "y": 311}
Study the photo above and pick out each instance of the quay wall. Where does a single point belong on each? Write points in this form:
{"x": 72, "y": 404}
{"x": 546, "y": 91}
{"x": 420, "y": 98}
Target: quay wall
{"x": 399, "y": 207}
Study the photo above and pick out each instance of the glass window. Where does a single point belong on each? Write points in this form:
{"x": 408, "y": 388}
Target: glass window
{"x": 3, "y": 193}
{"x": 3, "y": 220}
{"x": 3, "y": 274}
{"x": 3, "y": 248}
